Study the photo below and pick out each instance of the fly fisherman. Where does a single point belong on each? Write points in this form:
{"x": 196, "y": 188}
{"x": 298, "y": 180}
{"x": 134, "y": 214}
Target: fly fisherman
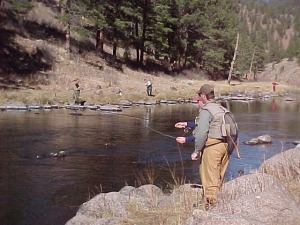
{"x": 76, "y": 91}
{"x": 148, "y": 85}
{"x": 210, "y": 146}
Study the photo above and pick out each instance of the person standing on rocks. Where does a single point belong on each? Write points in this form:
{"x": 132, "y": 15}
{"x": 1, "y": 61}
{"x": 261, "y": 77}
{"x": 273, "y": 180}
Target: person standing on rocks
{"x": 210, "y": 145}
{"x": 76, "y": 91}
{"x": 148, "y": 85}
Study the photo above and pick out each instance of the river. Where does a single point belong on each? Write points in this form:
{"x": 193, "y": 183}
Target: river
{"x": 107, "y": 150}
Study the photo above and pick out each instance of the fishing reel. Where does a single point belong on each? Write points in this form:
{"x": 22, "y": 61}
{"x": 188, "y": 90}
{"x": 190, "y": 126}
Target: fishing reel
{"x": 186, "y": 130}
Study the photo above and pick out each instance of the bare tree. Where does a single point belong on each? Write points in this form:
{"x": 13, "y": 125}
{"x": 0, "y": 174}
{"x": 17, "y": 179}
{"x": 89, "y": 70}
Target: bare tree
{"x": 252, "y": 59}
{"x": 234, "y": 57}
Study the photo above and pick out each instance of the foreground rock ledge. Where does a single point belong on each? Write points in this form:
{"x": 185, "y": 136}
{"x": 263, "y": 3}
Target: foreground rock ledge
{"x": 258, "y": 198}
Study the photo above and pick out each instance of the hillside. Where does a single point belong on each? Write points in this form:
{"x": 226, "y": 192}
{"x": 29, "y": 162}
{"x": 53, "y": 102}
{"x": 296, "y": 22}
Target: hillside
{"x": 286, "y": 72}
{"x": 40, "y": 70}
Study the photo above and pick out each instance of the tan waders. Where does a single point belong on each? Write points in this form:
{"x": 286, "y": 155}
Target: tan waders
{"x": 212, "y": 169}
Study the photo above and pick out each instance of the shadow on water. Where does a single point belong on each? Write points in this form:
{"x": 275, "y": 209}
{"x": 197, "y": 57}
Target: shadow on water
{"x": 105, "y": 151}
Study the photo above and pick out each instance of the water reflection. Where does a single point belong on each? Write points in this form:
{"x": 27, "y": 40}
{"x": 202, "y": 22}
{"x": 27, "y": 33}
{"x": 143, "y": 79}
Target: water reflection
{"x": 106, "y": 151}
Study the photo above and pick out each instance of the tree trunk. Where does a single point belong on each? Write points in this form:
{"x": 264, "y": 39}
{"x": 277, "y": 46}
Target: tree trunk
{"x": 99, "y": 40}
{"x": 137, "y": 47}
{"x": 251, "y": 64}
{"x": 142, "y": 43}
{"x": 68, "y": 40}
{"x": 234, "y": 57}
{"x": 68, "y": 32}
{"x": 115, "y": 44}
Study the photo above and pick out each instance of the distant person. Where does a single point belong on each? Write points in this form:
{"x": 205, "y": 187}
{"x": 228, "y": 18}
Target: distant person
{"x": 118, "y": 91}
{"x": 148, "y": 84}
{"x": 99, "y": 90}
{"x": 76, "y": 91}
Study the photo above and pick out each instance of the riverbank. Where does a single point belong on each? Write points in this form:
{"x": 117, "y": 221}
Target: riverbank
{"x": 268, "y": 196}
{"x": 101, "y": 84}
{"x": 131, "y": 88}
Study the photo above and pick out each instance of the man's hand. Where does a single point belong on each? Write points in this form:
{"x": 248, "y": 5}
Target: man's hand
{"x": 181, "y": 140}
{"x": 194, "y": 155}
{"x": 181, "y": 124}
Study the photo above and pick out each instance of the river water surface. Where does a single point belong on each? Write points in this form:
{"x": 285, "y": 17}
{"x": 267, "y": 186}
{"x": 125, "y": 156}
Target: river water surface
{"x": 105, "y": 151}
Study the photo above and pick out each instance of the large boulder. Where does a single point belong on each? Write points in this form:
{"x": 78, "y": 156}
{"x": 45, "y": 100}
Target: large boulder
{"x": 251, "y": 199}
{"x": 112, "y": 207}
{"x": 201, "y": 217}
{"x": 284, "y": 166}
{"x": 264, "y": 199}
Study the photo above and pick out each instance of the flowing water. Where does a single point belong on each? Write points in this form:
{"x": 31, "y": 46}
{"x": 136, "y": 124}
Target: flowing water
{"x": 106, "y": 151}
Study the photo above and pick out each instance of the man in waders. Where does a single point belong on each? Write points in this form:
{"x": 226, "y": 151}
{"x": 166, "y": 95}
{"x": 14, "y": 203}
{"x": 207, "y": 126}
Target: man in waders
{"x": 76, "y": 91}
{"x": 210, "y": 146}
{"x": 148, "y": 85}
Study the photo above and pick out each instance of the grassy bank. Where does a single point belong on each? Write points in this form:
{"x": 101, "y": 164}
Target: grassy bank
{"x": 164, "y": 88}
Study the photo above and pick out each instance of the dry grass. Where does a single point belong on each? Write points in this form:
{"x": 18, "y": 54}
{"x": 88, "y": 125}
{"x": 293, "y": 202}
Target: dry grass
{"x": 294, "y": 188}
{"x": 183, "y": 198}
{"x": 56, "y": 84}
{"x": 164, "y": 88}
{"x": 166, "y": 215}
{"x": 175, "y": 212}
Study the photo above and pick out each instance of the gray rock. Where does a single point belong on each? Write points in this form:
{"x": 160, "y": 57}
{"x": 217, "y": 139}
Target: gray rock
{"x": 107, "y": 221}
{"x": 148, "y": 191}
{"x": 284, "y": 166}
{"x": 258, "y": 197}
{"x": 127, "y": 190}
{"x": 253, "y": 141}
{"x": 112, "y": 203}
{"x": 263, "y": 139}
{"x": 110, "y": 108}
{"x": 81, "y": 220}
{"x": 150, "y": 102}
{"x": 15, "y": 105}
{"x": 210, "y": 218}
{"x": 140, "y": 102}
{"x": 296, "y": 142}
{"x": 148, "y": 196}
{"x": 288, "y": 99}
{"x": 125, "y": 103}
{"x": 85, "y": 220}
{"x": 188, "y": 194}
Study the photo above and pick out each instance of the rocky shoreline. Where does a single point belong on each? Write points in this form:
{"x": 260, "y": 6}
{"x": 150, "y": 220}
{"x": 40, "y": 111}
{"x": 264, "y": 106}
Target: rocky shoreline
{"x": 18, "y": 105}
{"x": 257, "y": 198}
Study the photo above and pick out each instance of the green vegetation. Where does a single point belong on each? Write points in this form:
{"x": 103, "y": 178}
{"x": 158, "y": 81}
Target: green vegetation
{"x": 270, "y": 32}
{"x": 178, "y": 34}
{"x": 19, "y": 6}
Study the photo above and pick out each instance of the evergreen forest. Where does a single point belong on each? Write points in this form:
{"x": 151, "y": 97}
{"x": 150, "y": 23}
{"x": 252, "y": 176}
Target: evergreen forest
{"x": 216, "y": 36}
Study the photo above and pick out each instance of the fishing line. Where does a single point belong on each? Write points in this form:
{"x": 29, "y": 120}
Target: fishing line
{"x": 154, "y": 130}
{"x": 186, "y": 130}
{"x": 166, "y": 135}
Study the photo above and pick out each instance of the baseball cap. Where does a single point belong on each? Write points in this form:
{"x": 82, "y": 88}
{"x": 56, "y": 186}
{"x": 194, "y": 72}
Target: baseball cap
{"x": 206, "y": 89}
